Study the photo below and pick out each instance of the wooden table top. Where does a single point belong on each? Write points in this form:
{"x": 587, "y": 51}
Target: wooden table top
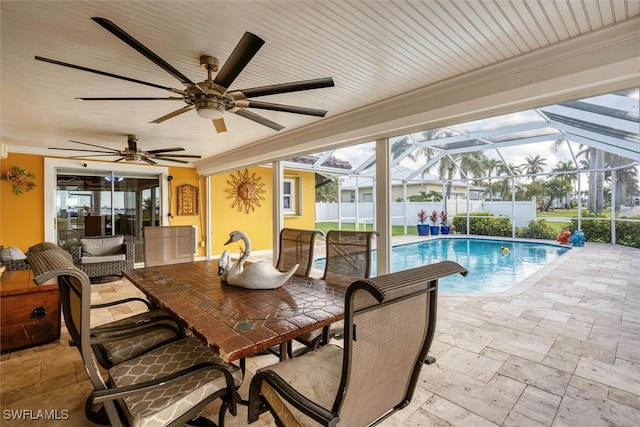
{"x": 234, "y": 321}
{"x": 21, "y": 282}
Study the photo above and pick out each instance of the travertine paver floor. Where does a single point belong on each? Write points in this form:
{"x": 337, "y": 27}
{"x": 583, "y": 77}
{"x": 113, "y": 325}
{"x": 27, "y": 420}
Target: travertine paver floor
{"x": 561, "y": 348}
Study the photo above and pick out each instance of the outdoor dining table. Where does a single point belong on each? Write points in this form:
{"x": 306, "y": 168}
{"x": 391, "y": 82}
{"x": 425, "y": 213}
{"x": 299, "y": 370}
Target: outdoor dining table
{"x": 234, "y": 321}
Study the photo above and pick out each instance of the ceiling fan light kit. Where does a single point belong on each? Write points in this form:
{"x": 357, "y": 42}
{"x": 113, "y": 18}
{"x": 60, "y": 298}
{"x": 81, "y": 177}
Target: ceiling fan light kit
{"x": 210, "y": 98}
{"x": 210, "y": 109}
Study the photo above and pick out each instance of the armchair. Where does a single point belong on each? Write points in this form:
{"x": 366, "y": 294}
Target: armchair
{"x": 389, "y": 326}
{"x": 169, "y": 385}
{"x": 100, "y": 256}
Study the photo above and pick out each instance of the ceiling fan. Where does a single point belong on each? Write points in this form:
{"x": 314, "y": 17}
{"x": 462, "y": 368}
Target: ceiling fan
{"x": 132, "y": 153}
{"x": 211, "y": 98}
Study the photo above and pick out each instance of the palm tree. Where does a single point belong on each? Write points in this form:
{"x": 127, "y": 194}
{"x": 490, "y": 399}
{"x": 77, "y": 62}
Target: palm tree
{"x": 504, "y": 170}
{"x": 490, "y": 165}
{"x": 594, "y": 159}
{"x": 570, "y": 178}
{"x": 626, "y": 178}
{"x": 533, "y": 165}
{"x": 468, "y": 163}
{"x": 400, "y": 146}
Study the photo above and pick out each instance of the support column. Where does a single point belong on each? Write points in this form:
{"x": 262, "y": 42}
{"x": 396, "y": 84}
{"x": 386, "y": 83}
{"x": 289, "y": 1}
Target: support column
{"x": 278, "y": 215}
{"x": 383, "y": 206}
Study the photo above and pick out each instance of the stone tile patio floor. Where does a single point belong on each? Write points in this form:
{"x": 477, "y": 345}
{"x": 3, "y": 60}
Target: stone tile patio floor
{"x": 561, "y": 348}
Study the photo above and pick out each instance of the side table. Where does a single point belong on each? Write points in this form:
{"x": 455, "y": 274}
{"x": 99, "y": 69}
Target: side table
{"x": 29, "y": 313}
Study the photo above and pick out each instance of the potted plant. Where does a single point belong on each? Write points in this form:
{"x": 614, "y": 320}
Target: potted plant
{"x": 423, "y": 229}
{"x": 444, "y": 226}
{"x": 435, "y": 230}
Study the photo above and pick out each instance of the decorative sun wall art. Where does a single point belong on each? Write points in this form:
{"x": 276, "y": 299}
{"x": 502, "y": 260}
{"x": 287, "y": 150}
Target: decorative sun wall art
{"x": 246, "y": 190}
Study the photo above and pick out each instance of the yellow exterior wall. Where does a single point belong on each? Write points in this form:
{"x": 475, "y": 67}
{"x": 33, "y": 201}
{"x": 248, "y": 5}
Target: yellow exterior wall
{"x": 22, "y": 216}
{"x": 257, "y": 224}
{"x": 182, "y": 176}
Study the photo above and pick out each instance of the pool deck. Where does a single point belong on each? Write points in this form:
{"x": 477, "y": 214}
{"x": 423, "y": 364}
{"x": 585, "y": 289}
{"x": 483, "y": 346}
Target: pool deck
{"x": 561, "y": 348}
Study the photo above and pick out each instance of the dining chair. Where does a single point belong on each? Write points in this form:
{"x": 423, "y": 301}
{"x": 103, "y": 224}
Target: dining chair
{"x": 123, "y": 339}
{"x": 348, "y": 258}
{"x": 389, "y": 327}
{"x": 167, "y": 386}
{"x": 168, "y": 244}
{"x": 297, "y": 247}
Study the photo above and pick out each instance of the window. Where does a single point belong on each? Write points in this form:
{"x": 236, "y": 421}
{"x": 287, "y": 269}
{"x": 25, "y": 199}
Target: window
{"x": 291, "y": 196}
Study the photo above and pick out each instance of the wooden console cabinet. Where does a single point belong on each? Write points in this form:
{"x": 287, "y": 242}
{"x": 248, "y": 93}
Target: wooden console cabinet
{"x": 29, "y": 313}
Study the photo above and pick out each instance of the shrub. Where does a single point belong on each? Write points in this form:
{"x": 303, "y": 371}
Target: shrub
{"x": 537, "y": 229}
{"x": 596, "y": 227}
{"x": 628, "y": 233}
{"x": 487, "y": 226}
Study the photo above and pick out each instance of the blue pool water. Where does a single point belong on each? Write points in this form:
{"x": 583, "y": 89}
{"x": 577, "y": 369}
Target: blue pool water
{"x": 490, "y": 268}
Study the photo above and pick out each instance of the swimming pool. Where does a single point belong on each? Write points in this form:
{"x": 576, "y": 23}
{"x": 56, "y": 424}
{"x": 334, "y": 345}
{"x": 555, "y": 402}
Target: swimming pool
{"x": 490, "y": 268}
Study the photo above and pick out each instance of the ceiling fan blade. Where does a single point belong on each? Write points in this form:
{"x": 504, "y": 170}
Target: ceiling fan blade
{"x": 283, "y": 88}
{"x": 93, "y": 145}
{"x": 165, "y": 150}
{"x": 118, "y": 160}
{"x": 280, "y": 107}
{"x": 258, "y": 119}
{"x": 128, "y": 39}
{"x": 189, "y": 156}
{"x": 220, "y": 125}
{"x": 172, "y": 114}
{"x": 171, "y": 98}
{"x": 167, "y": 159}
{"x": 102, "y": 73}
{"x": 93, "y": 155}
{"x": 148, "y": 160}
{"x": 246, "y": 48}
{"x": 115, "y": 153}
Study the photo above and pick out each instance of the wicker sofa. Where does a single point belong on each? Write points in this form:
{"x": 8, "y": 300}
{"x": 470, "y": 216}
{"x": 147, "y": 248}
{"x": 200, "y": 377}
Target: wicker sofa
{"x": 101, "y": 256}
{"x": 12, "y": 258}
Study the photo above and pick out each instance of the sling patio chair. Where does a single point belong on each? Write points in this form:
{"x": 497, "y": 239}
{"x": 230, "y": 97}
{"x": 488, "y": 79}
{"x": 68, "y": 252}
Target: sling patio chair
{"x": 167, "y": 386}
{"x": 348, "y": 258}
{"x": 123, "y": 339}
{"x": 389, "y": 327}
{"x": 297, "y": 247}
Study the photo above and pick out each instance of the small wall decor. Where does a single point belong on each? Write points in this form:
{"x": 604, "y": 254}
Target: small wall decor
{"x": 187, "y": 200}
{"x": 21, "y": 179}
{"x": 246, "y": 190}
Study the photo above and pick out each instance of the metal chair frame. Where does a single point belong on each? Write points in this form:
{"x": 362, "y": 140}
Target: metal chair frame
{"x": 103, "y": 404}
{"x": 389, "y": 327}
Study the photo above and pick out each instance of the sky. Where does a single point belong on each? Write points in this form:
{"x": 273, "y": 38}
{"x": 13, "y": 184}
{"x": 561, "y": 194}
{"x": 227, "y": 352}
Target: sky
{"x": 516, "y": 154}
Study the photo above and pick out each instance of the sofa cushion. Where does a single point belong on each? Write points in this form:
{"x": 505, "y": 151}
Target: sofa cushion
{"x": 101, "y": 247}
{"x": 103, "y": 258}
{"x": 12, "y": 253}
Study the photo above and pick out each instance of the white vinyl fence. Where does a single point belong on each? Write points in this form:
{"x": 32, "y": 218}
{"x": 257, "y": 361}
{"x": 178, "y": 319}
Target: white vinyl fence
{"x": 406, "y": 214}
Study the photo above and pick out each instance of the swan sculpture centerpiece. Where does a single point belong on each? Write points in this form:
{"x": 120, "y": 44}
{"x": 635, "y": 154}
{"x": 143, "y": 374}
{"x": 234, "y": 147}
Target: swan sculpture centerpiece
{"x": 258, "y": 275}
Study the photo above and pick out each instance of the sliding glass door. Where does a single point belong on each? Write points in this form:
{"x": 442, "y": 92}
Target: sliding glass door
{"x": 98, "y": 203}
